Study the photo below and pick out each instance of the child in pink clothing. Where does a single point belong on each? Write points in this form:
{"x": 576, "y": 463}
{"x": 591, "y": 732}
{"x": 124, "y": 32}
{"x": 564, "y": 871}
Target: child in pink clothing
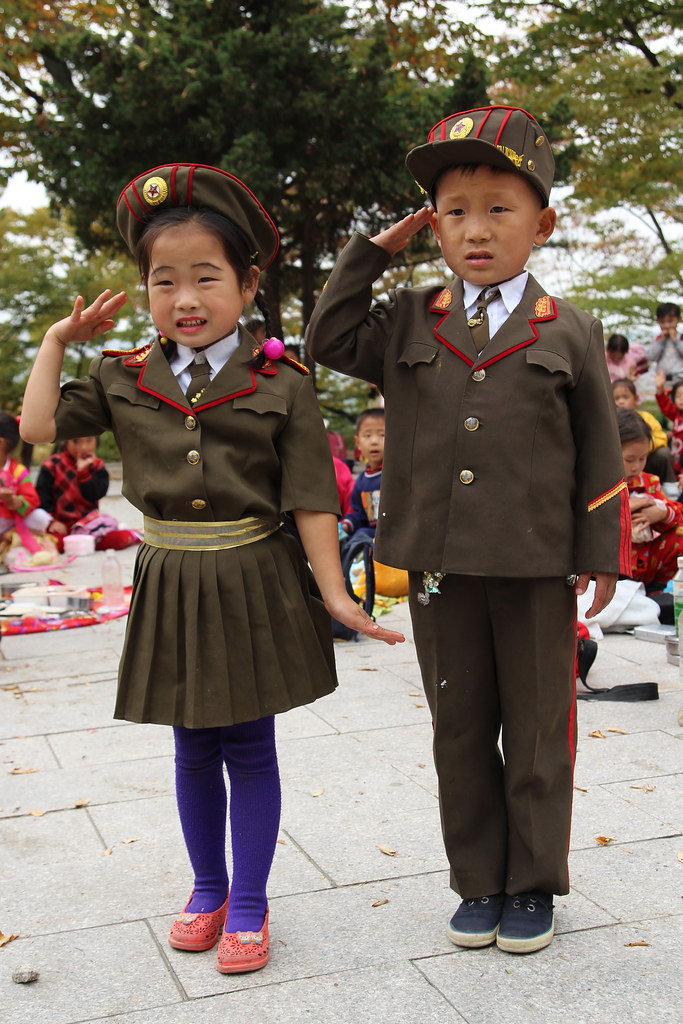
{"x": 671, "y": 404}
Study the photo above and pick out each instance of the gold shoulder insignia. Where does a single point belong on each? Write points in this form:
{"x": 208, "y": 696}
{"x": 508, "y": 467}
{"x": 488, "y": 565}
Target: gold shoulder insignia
{"x": 140, "y": 353}
{"x": 295, "y": 363}
{"x": 544, "y": 306}
{"x": 444, "y": 300}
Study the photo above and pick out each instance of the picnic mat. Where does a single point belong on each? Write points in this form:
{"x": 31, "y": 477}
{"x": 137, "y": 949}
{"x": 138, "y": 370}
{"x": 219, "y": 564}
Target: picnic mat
{"x": 68, "y": 619}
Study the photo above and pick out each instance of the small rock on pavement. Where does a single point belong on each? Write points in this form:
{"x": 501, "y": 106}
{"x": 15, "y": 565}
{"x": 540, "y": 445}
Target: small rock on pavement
{"x": 25, "y": 973}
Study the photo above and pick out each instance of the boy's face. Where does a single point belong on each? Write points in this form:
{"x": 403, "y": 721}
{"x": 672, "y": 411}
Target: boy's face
{"x": 623, "y": 397}
{"x": 81, "y": 447}
{"x": 668, "y": 325}
{"x": 370, "y": 441}
{"x": 487, "y": 223}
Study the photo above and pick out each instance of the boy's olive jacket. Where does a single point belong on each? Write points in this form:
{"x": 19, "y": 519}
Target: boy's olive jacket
{"x": 506, "y": 463}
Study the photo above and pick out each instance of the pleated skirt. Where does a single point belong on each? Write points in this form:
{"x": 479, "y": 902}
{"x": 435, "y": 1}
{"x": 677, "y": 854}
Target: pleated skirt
{"x": 220, "y": 637}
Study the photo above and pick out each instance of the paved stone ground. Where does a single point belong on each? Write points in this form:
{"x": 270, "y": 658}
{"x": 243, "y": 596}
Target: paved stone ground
{"x": 358, "y": 935}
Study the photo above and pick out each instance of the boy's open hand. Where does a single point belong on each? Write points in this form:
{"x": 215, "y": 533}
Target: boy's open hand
{"x": 85, "y": 324}
{"x": 605, "y": 585}
{"x": 398, "y": 235}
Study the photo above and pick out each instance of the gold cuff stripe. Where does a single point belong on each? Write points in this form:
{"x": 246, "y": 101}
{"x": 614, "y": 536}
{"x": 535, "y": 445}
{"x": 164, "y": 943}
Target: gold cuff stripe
{"x": 206, "y": 536}
{"x": 606, "y": 496}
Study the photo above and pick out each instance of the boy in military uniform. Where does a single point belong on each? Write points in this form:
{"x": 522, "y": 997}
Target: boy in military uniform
{"x": 502, "y": 494}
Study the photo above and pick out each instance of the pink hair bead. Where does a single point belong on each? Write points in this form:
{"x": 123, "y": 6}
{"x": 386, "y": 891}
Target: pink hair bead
{"x": 273, "y": 348}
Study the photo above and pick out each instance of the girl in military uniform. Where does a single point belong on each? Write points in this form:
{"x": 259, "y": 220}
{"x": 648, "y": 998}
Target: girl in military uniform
{"x": 219, "y": 439}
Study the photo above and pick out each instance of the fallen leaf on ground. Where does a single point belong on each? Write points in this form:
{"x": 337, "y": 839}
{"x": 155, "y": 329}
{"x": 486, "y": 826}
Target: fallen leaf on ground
{"x": 414, "y": 694}
{"x": 420, "y": 765}
{"x": 582, "y": 789}
{"x": 282, "y": 842}
{"x": 623, "y": 732}
{"x": 4, "y": 939}
{"x": 380, "y": 903}
{"x": 37, "y": 814}
{"x": 22, "y": 771}
{"x": 645, "y": 789}
{"x": 680, "y": 857}
{"x": 604, "y": 840}
{"x": 81, "y": 803}
{"x": 597, "y": 734}
{"x": 319, "y": 792}
{"x": 108, "y": 852}
{"x": 133, "y": 839}
{"x": 387, "y": 850}
{"x": 365, "y": 668}
{"x": 639, "y": 942}
{"x": 419, "y": 705}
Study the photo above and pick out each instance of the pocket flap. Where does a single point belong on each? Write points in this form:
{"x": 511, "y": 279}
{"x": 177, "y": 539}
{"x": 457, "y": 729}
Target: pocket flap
{"x": 133, "y": 395}
{"x": 417, "y": 352}
{"x": 259, "y": 401}
{"x": 550, "y": 361}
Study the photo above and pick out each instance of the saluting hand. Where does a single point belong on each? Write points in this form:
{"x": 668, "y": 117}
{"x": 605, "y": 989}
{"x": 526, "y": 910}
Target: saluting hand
{"x": 86, "y": 323}
{"x": 398, "y": 235}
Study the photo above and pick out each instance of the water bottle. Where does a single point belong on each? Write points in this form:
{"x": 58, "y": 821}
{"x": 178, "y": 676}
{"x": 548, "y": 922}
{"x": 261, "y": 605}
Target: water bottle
{"x": 678, "y": 594}
{"x": 113, "y": 594}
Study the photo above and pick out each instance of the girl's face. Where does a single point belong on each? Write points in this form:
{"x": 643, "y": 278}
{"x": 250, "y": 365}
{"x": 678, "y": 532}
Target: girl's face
{"x": 624, "y": 397}
{"x": 195, "y": 297}
{"x": 81, "y": 447}
{"x": 616, "y": 357}
{"x": 635, "y": 455}
{"x": 678, "y": 398}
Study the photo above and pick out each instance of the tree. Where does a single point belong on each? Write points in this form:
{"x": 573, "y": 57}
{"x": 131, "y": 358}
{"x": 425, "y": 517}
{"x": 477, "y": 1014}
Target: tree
{"x": 42, "y": 270}
{"x": 614, "y": 68}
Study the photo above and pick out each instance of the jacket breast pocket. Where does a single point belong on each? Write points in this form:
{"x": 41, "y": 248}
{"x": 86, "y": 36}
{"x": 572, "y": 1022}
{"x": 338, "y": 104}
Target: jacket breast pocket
{"x": 552, "y": 362}
{"x": 133, "y": 395}
{"x": 261, "y": 402}
{"x": 416, "y": 352}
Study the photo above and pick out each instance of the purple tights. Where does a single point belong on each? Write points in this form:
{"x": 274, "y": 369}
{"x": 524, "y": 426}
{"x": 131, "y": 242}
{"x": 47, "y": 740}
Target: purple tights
{"x": 248, "y": 750}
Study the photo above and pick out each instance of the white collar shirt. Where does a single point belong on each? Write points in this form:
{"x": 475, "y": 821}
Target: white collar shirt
{"x": 216, "y": 356}
{"x": 499, "y": 310}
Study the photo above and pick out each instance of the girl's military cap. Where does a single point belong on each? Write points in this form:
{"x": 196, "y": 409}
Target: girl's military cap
{"x": 200, "y": 186}
{"x": 505, "y": 137}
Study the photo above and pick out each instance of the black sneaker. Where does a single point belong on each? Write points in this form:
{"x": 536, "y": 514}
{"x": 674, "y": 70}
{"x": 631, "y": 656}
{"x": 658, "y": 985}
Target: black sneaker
{"x": 526, "y": 923}
{"x": 475, "y": 922}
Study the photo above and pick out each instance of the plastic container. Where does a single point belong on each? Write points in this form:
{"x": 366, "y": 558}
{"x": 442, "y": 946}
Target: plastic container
{"x": 79, "y": 544}
{"x": 113, "y": 594}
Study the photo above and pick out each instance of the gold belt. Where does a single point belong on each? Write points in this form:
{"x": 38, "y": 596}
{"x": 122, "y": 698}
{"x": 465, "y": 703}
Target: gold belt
{"x": 206, "y": 536}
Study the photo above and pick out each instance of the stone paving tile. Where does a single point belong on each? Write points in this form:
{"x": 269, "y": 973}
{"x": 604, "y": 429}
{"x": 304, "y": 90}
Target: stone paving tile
{"x": 605, "y": 811}
{"x": 86, "y": 974}
{"x": 395, "y": 994}
{"x": 120, "y": 741}
{"x": 582, "y": 977}
{"x": 662, "y": 798}
{"x": 85, "y": 703}
{"x": 631, "y": 882}
{"x": 619, "y": 758}
{"x": 370, "y": 699}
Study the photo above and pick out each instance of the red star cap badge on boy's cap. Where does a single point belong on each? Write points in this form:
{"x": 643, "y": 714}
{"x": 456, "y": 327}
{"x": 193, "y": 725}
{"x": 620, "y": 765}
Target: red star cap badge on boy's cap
{"x": 505, "y": 137}
{"x": 200, "y": 186}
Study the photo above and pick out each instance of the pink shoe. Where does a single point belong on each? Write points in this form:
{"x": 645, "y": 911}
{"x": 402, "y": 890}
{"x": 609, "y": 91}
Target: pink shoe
{"x": 197, "y": 932}
{"x": 239, "y": 952}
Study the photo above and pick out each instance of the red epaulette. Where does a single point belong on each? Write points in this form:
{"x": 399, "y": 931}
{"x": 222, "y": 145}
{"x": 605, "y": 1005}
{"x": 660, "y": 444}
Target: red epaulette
{"x": 295, "y": 363}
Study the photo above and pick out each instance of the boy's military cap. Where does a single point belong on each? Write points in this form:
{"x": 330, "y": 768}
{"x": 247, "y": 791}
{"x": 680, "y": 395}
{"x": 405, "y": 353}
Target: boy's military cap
{"x": 200, "y": 186}
{"x": 505, "y": 137}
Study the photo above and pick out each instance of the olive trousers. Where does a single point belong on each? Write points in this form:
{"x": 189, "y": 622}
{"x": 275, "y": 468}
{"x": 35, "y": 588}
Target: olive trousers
{"x": 497, "y": 662}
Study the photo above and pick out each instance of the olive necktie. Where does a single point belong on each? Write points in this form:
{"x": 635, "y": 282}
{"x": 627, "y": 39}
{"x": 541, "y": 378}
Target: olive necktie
{"x": 479, "y": 323}
{"x": 199, "y": 372}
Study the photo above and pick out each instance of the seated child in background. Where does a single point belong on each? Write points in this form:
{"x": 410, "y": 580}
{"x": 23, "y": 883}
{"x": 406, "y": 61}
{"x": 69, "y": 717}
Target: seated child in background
{"x": 624, "y": 360}
{"x": 345, "y": 482}
{"x": 70, "y": 484}
{"x": 18, "y": 497}
{"x": 671, "y": 404}
{"x": 666, "y": 350}
{"x": 657, "y": 522}
{"x": 659, "y": 460}
{"x": 369, "y": 440}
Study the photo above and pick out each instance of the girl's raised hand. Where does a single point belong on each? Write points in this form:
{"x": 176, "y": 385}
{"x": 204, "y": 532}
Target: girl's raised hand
{"x": 86, "y": 323}
{"x": 398, "y": 235}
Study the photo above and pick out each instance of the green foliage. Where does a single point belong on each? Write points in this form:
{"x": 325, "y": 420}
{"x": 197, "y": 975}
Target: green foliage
{"x": 42, "y": 271}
